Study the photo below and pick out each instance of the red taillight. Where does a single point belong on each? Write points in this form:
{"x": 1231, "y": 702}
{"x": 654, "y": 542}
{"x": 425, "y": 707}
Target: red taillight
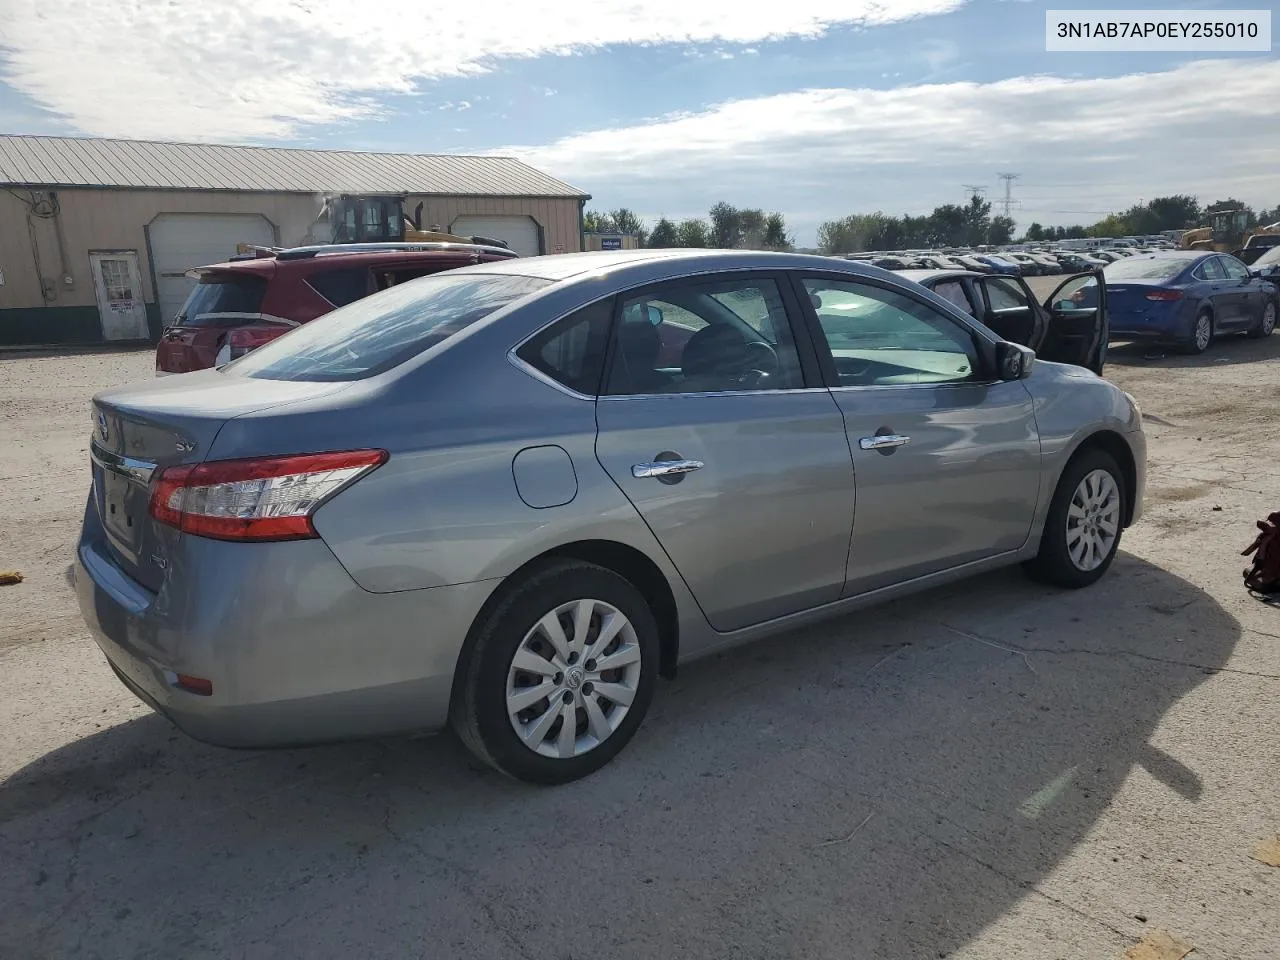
{"x": 1160, "y": 294}
{"x": 241, "y": 342}
{"x": 264, "y": 498}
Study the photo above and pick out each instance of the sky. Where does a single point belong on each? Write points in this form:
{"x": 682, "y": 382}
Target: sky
{"x": 815, "y": 108}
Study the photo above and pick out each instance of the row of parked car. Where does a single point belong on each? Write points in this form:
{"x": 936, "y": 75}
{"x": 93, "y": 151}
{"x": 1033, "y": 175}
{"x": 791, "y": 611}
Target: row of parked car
{"x": 1031, "y": 263}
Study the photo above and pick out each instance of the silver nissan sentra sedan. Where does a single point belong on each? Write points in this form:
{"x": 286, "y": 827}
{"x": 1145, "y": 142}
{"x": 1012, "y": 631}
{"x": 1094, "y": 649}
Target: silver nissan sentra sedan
{"x": 508, "y": 498}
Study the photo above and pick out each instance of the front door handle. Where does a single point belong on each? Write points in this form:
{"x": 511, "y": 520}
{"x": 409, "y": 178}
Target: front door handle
{"x": 665, "y": 468}
{"x": 883, "y": 441}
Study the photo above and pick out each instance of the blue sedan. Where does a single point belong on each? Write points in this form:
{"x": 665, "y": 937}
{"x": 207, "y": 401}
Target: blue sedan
{"x": 1187, "y": 297}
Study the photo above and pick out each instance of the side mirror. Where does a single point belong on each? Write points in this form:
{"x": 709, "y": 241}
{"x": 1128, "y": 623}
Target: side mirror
{"x": 1013, "y": 360}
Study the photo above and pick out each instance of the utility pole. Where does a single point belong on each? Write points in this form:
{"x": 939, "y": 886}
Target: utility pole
{"x": 1008, "y": 202}
{"x": 973, "y": 190}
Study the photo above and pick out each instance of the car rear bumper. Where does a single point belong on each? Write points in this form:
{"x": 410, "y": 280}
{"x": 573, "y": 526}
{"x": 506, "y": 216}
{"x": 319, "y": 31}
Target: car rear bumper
{"x": 296, "y": 652}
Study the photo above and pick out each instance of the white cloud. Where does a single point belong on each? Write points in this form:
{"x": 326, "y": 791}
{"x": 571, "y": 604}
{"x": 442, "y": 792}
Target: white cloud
{"x": 227, "y": 69}
{"x": 1211, "y": 127}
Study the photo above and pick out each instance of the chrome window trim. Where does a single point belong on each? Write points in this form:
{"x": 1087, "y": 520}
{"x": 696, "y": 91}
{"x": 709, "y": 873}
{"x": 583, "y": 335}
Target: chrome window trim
{"x": 711, "y": 393}
{"x": 131, "y": 467}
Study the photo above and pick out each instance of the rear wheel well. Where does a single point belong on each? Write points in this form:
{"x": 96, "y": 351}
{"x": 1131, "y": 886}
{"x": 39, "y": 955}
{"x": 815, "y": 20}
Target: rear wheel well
{"x": 1111, "y": 443}
{"x": 645, "y": 576}
{"x": 625, "y": 561}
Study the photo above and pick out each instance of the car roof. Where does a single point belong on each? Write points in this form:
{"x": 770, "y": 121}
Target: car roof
{"x": 921, "y": 276}
{"x": 625, "y": 264}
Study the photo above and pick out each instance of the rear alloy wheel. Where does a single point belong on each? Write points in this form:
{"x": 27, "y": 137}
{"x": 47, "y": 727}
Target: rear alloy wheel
{"x": 1085, "y": 521}
{"x": 1266, "y": 324}
{"x": 560, "y": 675}
{"x": 1201, "y": 333}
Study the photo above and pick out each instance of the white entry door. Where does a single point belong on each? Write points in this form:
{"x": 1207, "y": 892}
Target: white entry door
{"x": 118, "y": 287}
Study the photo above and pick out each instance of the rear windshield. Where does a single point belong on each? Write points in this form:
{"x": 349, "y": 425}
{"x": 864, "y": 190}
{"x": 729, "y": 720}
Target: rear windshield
{"x": 1145, "y": 268}
{"x": 217, "y": 295}
{"x": 384, "y": 330}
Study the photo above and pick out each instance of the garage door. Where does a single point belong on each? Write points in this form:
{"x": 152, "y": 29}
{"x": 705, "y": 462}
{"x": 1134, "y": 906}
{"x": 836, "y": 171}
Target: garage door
{"x": 520, "y": 233}
{"x": 180, "y": 241}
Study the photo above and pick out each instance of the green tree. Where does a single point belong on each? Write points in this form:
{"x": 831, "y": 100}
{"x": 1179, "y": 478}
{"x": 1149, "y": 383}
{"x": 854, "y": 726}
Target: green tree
{"x": 693, "y": 232}
{"x": 625, "y": 221}
{"x": 593, "y": 221}
{"x": 977, "y": 221}
{"x": 663, "y": 234}
{"x": 1034, "y": 232}
{"x": 725, "y": 225}
{"x": 775, "y": 233}
{"x": 1001, "y": 230}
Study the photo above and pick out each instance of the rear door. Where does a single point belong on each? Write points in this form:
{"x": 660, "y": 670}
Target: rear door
{"x": 736, "y": 455}
{"x": 1077, "y": 331}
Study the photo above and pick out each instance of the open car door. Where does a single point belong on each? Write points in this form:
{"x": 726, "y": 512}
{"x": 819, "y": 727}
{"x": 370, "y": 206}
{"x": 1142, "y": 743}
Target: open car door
{"x": 1078, "y": 328}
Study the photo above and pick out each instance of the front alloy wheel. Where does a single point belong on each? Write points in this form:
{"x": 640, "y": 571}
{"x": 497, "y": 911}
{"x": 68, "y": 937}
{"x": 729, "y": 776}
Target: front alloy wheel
{"x": 1267, "y": 323}
{"x": 1085, "y": 521}
{"x": 1093, "y": 520}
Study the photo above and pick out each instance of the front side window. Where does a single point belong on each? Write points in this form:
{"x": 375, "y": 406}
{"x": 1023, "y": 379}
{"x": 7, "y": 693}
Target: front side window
{"x": 953, "y": 292}
{"x": 1004, "y": 294}
{"x": 385, "y": 329}
{"x": 879, "y": 337}
{"x": 704, "y": 338}
{"x": 1211, "y": 269}
{"x": 1235, "y": 270}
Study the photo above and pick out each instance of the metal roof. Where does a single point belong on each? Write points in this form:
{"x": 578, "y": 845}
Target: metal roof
{"x": 153, "y": 165}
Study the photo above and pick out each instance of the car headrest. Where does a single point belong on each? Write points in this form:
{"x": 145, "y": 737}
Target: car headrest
{"x": 715, "y": 349}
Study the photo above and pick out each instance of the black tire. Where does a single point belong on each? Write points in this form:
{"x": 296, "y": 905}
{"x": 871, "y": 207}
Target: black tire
{"x": 478, "y": 713}
{"x": 1196, "y": 344}
{"x": 1266, "y": 323}
{"x": 1053, "y": 564}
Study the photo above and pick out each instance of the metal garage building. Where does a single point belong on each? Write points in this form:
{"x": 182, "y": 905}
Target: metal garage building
{"x": 97, "y": 235}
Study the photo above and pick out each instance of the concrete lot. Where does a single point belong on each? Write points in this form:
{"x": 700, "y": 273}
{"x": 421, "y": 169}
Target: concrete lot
{"x": 994, "y": 770}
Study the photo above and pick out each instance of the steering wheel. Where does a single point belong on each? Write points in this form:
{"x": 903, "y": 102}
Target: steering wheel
{"x": 761, "y": 362}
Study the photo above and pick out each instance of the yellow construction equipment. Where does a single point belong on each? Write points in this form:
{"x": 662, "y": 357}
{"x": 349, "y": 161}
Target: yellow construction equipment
{"x": 1229, "y": 233}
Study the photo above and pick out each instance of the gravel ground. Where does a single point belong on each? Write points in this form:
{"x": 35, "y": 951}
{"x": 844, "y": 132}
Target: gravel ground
{"x": 993, "y": 770}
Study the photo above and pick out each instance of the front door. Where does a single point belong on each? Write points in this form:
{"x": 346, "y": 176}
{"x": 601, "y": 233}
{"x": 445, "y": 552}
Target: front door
{"x": 946, "y": 457}
{"x": 1078, "y": 328}
{"x": 1241, "y": 295}
{"x": 734, "y": 455}
{"x": 118, "y": 289}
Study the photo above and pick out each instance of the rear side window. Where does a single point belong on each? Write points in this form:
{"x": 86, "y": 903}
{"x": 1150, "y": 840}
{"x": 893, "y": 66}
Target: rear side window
{"x": 1211, "y": 270}
{"x": 221, "y": 300}
{"x": 341, "y": 287}
{"x": 571, "y": 351}
{"x": 382, "y": 331}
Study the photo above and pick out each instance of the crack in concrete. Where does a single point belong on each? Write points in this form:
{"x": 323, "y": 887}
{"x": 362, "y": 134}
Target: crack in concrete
{"x": 462, "y": 877}
{"x": 1084, "y": 651}
{"x": 1032, "y": 887}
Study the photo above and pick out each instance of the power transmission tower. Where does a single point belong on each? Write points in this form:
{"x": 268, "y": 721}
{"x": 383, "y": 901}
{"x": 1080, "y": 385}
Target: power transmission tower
{"x": 1008, "y": 203}
{"x": 972, "y": 190}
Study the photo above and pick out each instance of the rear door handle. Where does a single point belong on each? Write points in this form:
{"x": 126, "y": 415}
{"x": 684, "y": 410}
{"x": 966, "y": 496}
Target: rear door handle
{"x": 883, "y": 441}
{"x": 665, "y": 468}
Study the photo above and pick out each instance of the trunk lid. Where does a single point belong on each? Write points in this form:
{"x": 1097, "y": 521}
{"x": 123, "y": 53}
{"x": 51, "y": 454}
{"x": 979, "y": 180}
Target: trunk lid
{"x": 139, "y": 430}
{"x": 1129, "y": 297}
